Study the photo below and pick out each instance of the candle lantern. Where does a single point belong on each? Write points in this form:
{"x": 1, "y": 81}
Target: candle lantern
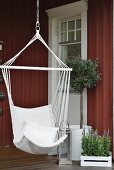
{"x": 64, "y": 155}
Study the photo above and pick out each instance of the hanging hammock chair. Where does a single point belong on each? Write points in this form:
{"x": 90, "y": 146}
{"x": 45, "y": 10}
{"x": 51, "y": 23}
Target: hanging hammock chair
{"x": 37, "y": 130}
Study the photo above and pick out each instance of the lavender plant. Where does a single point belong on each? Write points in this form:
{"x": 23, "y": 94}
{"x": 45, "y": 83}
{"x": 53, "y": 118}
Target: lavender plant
{"x": 95, "y": 145}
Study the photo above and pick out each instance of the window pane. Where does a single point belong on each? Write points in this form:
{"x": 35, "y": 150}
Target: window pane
{"x": 64, "y": 26}
{"x": 64, "y": 53}
{"x": 78, "y": 36}
{"x": 71, "y": 36}
{"x": 70, "y": 51}
{"x": 74, "y": 50}
{"x": 71, "y": 25}
{"x": 63, "y": 37}
{"x": 78, "y": 23}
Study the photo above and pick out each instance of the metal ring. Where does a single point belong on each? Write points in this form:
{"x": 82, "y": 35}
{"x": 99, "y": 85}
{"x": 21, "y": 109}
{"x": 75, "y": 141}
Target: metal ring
{"x": 37, "y": 26}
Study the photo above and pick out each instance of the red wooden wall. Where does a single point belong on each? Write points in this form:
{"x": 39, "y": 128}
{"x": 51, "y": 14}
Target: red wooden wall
{"x": 29, "y": 88}
{"x": 17, "y": 26}
{"x": 100, "y": 37}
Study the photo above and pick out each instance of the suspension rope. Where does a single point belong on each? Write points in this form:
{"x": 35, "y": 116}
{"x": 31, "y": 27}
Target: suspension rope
{"x": 37, "y": 17}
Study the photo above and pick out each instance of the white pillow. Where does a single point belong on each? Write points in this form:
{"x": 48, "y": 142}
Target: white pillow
{"x": 40, "y": 134}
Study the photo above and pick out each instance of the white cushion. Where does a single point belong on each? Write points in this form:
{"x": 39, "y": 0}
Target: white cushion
{"x": 40, "y": 134}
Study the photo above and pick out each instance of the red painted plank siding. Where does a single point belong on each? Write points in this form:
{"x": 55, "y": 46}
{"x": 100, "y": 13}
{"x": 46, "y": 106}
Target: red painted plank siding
{"x": 56, "y": 3}
{"x": 100, "y": 34}
{"x": 17, "y": 23}
{"x": 17, "y": 26}
{"x": 29, "y": 89}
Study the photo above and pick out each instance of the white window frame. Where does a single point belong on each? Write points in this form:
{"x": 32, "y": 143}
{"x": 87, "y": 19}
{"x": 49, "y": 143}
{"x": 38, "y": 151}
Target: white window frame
{"x": 78, "y": 8}
{"x": 66, "y": 20}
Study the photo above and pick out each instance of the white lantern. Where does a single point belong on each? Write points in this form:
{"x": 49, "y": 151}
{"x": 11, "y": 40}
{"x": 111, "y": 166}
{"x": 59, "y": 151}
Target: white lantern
{"x": 64, "y": 150}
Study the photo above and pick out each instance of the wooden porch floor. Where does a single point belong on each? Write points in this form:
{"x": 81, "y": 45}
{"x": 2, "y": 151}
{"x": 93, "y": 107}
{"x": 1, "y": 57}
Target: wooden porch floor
{"x": 14, "y": 159}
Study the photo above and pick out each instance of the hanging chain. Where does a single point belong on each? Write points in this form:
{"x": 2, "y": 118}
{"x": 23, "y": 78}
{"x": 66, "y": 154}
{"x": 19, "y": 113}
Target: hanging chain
{"x": 37, "y": 17}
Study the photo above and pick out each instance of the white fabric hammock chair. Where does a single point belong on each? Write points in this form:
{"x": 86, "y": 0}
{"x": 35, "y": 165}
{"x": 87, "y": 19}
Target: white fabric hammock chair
{"x": 35, "y": 130}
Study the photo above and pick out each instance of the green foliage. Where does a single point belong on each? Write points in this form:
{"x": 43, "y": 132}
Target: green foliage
{"x": 84, "y": 74}
{"x": 96, "y": 145}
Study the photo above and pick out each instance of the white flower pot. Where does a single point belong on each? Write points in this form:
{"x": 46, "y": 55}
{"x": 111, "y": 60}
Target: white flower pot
{"x": 75, "y": 141}
{"x": 100, "y": 161}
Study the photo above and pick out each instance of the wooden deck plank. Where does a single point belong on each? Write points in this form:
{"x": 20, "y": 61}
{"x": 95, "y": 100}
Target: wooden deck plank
{"x": 14, "y": 159}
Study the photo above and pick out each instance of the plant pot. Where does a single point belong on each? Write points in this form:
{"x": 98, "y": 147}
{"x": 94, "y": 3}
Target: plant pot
{"x": 75, "y": 141}
{"x": 100, "y": 161}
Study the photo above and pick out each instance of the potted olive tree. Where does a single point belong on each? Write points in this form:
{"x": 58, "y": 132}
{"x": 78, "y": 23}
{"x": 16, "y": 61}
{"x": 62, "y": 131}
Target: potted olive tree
{"x": 84, "y": 75}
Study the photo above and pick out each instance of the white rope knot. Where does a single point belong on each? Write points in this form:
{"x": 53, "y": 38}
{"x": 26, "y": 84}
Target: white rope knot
{"x": 37, "y": 34}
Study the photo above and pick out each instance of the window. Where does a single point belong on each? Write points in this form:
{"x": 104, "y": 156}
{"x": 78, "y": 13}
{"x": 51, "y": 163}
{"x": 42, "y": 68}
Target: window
{"x": 70, "y": 38}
